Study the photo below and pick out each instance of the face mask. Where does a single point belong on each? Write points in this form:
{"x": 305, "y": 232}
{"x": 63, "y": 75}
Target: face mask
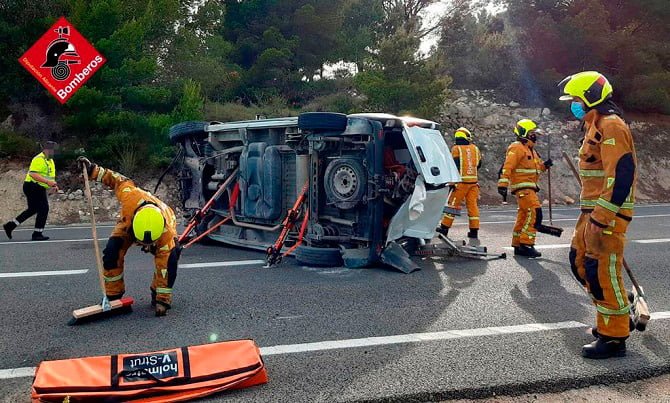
{"x": 578, "y": 110}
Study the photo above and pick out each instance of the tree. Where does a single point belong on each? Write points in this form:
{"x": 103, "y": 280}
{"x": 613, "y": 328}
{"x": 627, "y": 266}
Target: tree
{"x": 396, "y": 80}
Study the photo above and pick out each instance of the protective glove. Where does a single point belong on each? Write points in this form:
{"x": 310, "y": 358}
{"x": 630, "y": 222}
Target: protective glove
{"x": 548, "y": 163}
{"x": 503, "y": 192}
{"x": 84, "y": 163}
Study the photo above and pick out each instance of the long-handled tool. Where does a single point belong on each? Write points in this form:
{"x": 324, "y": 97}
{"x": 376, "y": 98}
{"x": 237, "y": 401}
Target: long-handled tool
{"x": 549, "y": 229}
{"x": 551, "y": 199}
{"x": 641, "y": 313}
{"x": 106, "y": 307}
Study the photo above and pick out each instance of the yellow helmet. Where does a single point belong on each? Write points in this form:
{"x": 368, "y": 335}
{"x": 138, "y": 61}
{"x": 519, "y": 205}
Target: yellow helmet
{"x": 523, "y": 127}
{"x": 148, "y": 224}
{"x": 463, "y": 133}
{"x": 589, "y": 86}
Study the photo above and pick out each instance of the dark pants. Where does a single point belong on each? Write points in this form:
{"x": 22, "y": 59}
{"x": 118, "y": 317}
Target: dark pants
{"x": 37, "y": 204}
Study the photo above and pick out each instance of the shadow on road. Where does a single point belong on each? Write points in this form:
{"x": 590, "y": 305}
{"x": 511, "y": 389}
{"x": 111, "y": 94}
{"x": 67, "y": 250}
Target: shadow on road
{"x": 548, "y": 301}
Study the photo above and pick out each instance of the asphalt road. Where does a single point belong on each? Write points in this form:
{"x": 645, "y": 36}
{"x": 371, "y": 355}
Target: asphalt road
{"x": 456, "y": 329}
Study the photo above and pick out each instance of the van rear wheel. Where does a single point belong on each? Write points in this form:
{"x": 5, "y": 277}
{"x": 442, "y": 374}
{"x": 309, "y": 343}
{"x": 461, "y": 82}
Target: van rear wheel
{"x": 321, "y": 257}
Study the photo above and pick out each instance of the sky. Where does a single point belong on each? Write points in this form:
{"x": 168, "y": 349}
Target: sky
{"x": 437, "y": 10}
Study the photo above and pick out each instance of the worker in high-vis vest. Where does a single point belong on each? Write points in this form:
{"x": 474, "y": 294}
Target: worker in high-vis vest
{"x": 607, "y": 167}
{"x": 521, "y": 175}
{"x": 469, "y": 159}
{"x": 40, "y": 178}
{"x": 145, "y": 221}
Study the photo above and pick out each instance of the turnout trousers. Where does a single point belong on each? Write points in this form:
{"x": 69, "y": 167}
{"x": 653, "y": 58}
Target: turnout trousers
{"x": 165, "y": 272}
{"x": 596, "y": 262}
{"x": 470, "y": 193}
{"x": 527, "y": 214}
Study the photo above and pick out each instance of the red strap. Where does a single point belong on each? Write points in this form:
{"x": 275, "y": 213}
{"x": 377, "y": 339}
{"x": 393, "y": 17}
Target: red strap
{"x": 303, "y": 228}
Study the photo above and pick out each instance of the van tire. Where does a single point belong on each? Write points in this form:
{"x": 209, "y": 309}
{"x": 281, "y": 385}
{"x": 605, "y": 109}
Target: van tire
{"x": 182, "y": 130}
{"x": 322, "y": 257}
{"x": 322, "y": 121}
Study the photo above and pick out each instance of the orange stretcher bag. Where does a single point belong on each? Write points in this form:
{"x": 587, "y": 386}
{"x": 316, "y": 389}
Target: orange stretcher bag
{"x": 163, "y": 376}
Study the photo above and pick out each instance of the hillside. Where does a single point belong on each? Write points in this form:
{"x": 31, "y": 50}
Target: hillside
{"x": 490, "y": 121}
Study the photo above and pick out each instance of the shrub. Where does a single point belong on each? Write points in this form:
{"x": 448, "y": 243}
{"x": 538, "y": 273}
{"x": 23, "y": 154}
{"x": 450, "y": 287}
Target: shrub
{"x": 16, "y": 145}
{"x": 230, "y": 111}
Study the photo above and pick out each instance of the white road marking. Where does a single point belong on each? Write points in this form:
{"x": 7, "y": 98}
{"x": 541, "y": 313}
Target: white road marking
{"x": 49, "y": 241}
{"x": 456, "y": 223}
{"x": 556, "y": 246}
{"x": 73, "y": 227}
{"x": 661, "y": 240}
{"x": 555, "y": 219}
{"x": 637, "y": 207}
{"x": 42, "y": 273}
{"x": 222, "y": 264}
{"x": 24, "y": 372}
{"x": 385, "y": 340}
{"x": 567, "y": 245}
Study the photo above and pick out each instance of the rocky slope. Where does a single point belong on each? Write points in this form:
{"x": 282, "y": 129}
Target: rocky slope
{"x": 492, "y": 125}
{"x": 70, "y": 205}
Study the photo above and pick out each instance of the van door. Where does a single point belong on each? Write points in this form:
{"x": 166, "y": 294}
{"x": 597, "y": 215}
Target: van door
{"x": 431, "y": 155}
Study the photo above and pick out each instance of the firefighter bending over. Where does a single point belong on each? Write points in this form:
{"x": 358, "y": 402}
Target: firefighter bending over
{"x": 146, "y": 221}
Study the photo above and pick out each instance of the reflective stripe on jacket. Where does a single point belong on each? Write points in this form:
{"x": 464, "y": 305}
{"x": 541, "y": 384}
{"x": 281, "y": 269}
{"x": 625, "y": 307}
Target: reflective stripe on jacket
{"x": 522, "y": 168}
{"x": 468, "y": 158}
{"x": 607, "y": 167}
{"x": 131, "y": 198}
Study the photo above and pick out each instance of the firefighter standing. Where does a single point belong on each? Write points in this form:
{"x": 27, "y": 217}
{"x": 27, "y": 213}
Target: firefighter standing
{"x": 521, "y": 174}
{"x": 40, "y": 178}
{"x": 468, "y": 158}
{"x": 147, "y": 221}
{"x": 607, "y": 164}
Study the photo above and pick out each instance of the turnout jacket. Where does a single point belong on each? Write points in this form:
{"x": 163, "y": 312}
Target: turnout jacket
{"x": 468, "y": 159}
{"x": 522, "y": 168}
{"x": 131, "y": 198}
{"x": 607, "y": 167}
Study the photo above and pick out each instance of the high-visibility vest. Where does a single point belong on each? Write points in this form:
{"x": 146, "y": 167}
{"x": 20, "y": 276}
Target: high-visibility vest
{"x": 43, "y": 166}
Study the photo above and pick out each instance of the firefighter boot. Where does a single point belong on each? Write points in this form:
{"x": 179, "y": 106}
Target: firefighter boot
{"x": 161, "y": 308}
{"x": 443, "y": 229}
{"x": 526, "y": 250}
{"x": 153, "y": 297}
{"x": 473, "y": 234}
{"x": 9, "y": 227}
{"x": 605, "y": 347}
{"x": 37, "y": 236}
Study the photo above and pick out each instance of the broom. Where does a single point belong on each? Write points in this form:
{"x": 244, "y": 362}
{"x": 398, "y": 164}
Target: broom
{"x": 106, "y": 307}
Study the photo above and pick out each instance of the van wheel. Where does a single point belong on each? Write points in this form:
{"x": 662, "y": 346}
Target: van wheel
{"x": 322, "y": 257}
{"x": 182, "y": 130}
{"x": 345, "y": 183}
{"x": 322, "y": 121}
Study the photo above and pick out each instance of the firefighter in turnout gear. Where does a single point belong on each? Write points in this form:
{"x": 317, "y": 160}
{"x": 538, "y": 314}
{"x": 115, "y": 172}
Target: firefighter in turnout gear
{"x": 468, "y": 158}
{"x": 146, "y": 221}
{"x": 521, "y": 175}
{"x": 607, "y": 167}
